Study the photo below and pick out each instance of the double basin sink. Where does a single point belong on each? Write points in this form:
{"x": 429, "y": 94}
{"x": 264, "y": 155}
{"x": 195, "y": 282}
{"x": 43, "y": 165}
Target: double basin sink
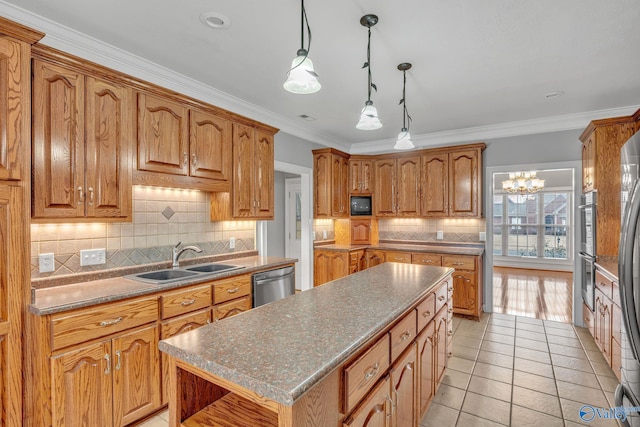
{"x": 170, "y": 275}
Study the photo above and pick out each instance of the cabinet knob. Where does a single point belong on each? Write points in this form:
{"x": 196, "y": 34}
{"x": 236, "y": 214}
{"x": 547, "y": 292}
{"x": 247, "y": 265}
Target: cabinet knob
{"x": 441, "y": 298}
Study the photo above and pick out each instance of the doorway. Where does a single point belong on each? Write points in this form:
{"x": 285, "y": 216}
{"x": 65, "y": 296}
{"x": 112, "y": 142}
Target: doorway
{"x": 293, "y": 223}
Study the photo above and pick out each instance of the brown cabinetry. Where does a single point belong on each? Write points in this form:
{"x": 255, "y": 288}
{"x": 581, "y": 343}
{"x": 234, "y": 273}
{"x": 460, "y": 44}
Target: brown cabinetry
{"x": 331, "y": 183}
{"x": 360, "y": 176}
{"x": 606, "y": 322}
{"x": 374, "y": 257}
{"x": 360, "y": 231}
{"x": 397, "y": 187}
{"x": 329, "y": 265}
{"x": 82, "y": 137}
{"x": 404, "y": 388}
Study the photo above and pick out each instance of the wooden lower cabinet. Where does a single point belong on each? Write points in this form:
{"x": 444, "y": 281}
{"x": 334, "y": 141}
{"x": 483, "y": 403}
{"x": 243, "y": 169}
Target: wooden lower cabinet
{"x": 426, "y": 341}
{"x": 111, "y": 383}
{"x": 404, "y": 388}
{"x": 374, "y": 257}
{"x": 329, "y": 265}
{"x": 440, "y": 351}
{"x": 231, "y": 308}
{"x": 375, "y": 410}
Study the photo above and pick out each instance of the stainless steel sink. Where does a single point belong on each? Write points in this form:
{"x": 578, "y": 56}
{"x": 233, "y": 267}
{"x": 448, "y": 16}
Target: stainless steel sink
{"x": 163, "y": 276}
{"x": 212, "y": 268}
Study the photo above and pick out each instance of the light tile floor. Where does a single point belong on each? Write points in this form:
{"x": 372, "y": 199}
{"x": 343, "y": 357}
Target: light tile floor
{"x": 515, "y": 371}
{"x": 518, "y": 371}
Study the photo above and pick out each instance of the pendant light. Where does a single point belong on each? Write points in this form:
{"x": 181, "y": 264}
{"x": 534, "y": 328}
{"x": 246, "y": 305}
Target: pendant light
{"x": 369, "y": 116}
{"x": 302, "y": 79}
{"x": 404, "y": 141}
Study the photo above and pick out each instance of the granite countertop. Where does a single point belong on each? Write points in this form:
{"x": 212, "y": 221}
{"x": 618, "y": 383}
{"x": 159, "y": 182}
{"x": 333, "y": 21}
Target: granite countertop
{"x": 85, "y": 294}
{"x": 609, "y": 265}
{"x": 282, "y": 349}
{"x": 448, "y": 248}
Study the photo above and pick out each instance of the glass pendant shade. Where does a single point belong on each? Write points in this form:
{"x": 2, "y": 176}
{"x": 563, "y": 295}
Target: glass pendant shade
{"x": 404, "y": 141}
{"x": 302, "y": 78}
{"x": 369, "y": 118}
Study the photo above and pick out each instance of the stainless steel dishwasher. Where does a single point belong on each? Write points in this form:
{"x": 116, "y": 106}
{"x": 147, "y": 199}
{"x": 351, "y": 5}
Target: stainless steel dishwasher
{"x": 273, "y": 285}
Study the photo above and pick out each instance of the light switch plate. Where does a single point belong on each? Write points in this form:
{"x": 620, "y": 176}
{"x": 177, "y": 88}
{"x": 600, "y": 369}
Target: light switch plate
{"x": 232, "y": 243}
{"x": 483, "y": 236}
{"x": 439, "y": 235}
{"x": 93, "y": 256}
{"x": 46, "y": 263}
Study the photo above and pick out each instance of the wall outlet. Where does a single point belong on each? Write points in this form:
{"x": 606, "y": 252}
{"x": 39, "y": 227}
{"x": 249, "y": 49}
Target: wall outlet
{"x": 46, "y": 263}
{"x": 439, "y": 235}
{"x": 232, "y": 243}
{"x": 482, "y": 236}
{"x": 93, "y": 257}
{"x": 324, "y": 234}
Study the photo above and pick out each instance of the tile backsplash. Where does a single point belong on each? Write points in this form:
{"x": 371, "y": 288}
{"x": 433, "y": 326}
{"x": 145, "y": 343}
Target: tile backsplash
{"x": 162, "y": 217}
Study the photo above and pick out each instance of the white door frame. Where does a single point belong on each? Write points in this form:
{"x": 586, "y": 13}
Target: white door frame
{"x": 291, "y": 185}
{"x": 306, "y": 257}
{"x": 488, "y": 203}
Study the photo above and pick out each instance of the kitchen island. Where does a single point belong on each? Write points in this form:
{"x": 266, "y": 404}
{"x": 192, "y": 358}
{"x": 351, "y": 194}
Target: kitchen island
{"x": 321, "y": 357}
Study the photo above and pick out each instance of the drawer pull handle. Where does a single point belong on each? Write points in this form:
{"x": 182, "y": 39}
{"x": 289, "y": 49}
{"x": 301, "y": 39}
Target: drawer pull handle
{"x": 80, "y": 195}
{"x": 449, "y": 333}
{"x": 111, "y": 322}
{"x": 405, "y": 336}
{"x": 189, "y": 302}
{"x": 233, "y": 291}
{"x": 107, "y": 370}
{"x": 450, "y": 288}
{"x": 118, "y": 354}
{"x": 441, "y": 298}
{"x": 426, "y": 314}
{"x": 458, "y": 263}
{"x": 450, "y": 354}
{"x": 450, "y": 310}
{"x": 371, "y": 372}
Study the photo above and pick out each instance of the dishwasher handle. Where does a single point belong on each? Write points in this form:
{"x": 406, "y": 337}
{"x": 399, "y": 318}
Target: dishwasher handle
{"x": 260, "y": 281}
{"x": 272, "y": 274}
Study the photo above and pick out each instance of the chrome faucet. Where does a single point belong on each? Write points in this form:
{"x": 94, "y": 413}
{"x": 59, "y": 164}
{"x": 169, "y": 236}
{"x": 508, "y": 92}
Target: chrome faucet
{"x": 178, "y": 252}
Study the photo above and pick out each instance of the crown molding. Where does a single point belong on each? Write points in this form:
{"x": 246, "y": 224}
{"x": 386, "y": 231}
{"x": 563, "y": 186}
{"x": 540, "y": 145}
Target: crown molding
{"x": 502, "y": 130}
{"x": 71, "y": 41}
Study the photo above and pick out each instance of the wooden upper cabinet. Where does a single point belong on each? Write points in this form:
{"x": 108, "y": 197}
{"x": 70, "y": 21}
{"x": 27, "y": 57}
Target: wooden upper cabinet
{"x": 435, "y": 191}
{"x": 464, "y": 183}
{"x": 588, "y": 164}
{"x": 253, "y": 159}
{"x": 360, "y": 176}
{"x": 82, "y": 136}
{"x": 14, "y": 76}
{"x": 397, "y": 185}
{"x": 210, "y": 146}
{"x": 163, "y": 135}
{"x": 331, "y": 183}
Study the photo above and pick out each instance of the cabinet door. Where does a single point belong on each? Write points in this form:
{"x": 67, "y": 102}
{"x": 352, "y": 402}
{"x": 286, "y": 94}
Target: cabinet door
{"x": 360, "y": 232}
{"x": 83, "y": 387}
{"x": 465, "y": 291}
{"x": 408, "y": 186}
{"x": 589, "y": 163}
{"x": 404, "y": 383}
{"x": 366, "y": 176}
{"x": 323, "y": 181}
{"x": 210, "y": 146}
{"x": 263, "y": 175}
{"x": 426, "y": 357}
{"x": 243, "y": 174}
{"x": 339, "y": 265}
{"x": 355, "y": 176}
{"x": 321, "y": 268}
{"x": 109, "y": 136}
{"x": 384, "y": 200}
{"x": 340, "y": 196}
{"x": 606, "y": 330}
{"x": 15, "y": 101}
{"x": 136, "y": 375}
{"x": 464, "y": 183}
{"x": 163, "y": 135}
{"x": 374, "y": 257}
{"x": 231, "y": 308}
{"x": 375, "y": 411}
{"x": 58, "y": 142}
{"x": 435, "y": 190}
{"x": 441, "y": 346}
{"x": 598, "y": 324}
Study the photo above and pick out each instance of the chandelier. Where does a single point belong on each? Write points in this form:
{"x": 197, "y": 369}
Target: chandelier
{"x": 522, "y": 182}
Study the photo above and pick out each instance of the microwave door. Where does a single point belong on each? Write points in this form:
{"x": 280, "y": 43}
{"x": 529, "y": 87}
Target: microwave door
{"x": 628, "y": 270}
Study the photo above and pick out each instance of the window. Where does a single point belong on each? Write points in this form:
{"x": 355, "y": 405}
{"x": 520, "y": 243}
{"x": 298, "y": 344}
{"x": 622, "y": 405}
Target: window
{"x": 533, "y": 225}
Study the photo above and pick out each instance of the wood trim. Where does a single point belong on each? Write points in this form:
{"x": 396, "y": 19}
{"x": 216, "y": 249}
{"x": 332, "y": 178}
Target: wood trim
{"x": 594, "y": 124}
{"x": 19, "y": 31}
{"x": 168, "y": 180}
{"x": 49, "y": 54}
{"x": 332, "y": 151}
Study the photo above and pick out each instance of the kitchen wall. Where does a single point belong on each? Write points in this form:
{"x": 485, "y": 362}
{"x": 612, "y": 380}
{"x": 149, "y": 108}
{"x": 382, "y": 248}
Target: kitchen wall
{"x": 162, "y": 217}
{"x": 458, "y": 230}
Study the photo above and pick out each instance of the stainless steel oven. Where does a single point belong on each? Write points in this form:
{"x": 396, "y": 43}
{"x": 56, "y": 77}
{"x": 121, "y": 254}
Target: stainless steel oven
{"x": 587, "y": 252}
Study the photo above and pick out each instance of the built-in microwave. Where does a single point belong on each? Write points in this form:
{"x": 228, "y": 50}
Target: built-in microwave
{"x": 360, "y": 205}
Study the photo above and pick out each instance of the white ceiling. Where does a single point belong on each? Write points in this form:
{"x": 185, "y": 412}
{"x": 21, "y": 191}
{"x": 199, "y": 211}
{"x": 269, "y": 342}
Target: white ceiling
{"x": 480, "y": 68}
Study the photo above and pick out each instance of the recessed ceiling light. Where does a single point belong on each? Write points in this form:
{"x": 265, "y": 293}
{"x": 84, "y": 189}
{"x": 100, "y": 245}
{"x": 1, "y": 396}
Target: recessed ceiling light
{"x": 215, "y": 20}
{"x": 306, "y": 117}
{"x": 555, "y": 94}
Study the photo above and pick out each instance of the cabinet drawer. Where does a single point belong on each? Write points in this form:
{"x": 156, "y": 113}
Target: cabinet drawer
{"x": 399, "y": 257}
{"x": 181, "y": 302}
{"x": 442, "y": 295}
{"x": 354, "y": 257}
{"x": 426, "y": 310}
{"x": 185, "y": 323}
{"x": 362, "y": 373}
{"x": 459, "y": 262}
{"x": 231, "y": 308}
{"x": 426, "y": 259}
{"x": 604, "y": 284}
{"x": 402, "y": 334}
{"x": 231, "y": 288}
{"x": 85, "y": 325}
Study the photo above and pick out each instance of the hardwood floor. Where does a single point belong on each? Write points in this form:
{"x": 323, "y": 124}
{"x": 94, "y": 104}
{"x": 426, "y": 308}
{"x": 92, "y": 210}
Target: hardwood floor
{"x": 540, "y": 294}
